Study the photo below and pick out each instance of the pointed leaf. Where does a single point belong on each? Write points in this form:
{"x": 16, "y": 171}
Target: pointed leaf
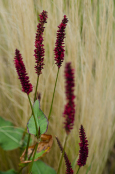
{"x": 10, "y": 137}
{"x": 41, "y": 120}
{"x": 40, "y": 167}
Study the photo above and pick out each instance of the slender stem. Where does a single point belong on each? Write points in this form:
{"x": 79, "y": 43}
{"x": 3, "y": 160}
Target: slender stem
{"x": 33, "y": 116}
{"x": 24, "y": 133}
{"x": 36, "y": 89}
{"x": 53, "y": 95}
{"x": 31, "y": 153}
{"x": 28, "y": 159}
{"x": 60, "y": 163}
{"x": 78, "y": 170}
{"x": 27, "y": 146}
{"x": 33, "y": 158}
{"x": 22, "y": 168}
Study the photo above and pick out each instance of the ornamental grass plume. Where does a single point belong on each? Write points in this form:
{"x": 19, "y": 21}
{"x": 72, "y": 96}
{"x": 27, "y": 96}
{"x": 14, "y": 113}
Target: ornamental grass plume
{"x": 69, "y": 111}
{"x": 39, "y": 51}
{"x": 21, "y": 70}
{"x": 69, "y": 169}
{"x": 83, "y": 152}
{"x": 59, "y": 49}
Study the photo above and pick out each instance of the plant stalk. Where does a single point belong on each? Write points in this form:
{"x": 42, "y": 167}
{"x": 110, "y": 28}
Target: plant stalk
{"x": 53, "y": 96}
{"x": 78, "y": 170}
{"x": 27, "y": 147}
{"x": 33, "y": 116}
{"x": 33, "y": 158}
{"x": 36, "y": 89}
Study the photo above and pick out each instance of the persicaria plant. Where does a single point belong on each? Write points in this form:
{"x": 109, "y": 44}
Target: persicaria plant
{"x": 37, "y": 124}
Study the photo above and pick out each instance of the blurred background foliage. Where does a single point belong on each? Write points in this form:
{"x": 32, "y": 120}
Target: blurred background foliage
{"x": 90, "y": 46}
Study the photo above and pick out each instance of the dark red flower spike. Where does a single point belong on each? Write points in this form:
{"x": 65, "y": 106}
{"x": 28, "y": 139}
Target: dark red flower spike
{"x": 39, "y": 51}
{"x": 69, "y": 112}
{"x": 21, "y": 70}
{"x": 69, "y": 169}
{"x": 83, "y": 152}
{"x": 59, "y": 48}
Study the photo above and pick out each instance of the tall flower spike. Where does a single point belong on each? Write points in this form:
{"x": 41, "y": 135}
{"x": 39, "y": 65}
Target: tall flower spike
{"x": 69, "y": 169}
{"x": 59, "y": 48}
{"x": 83, "y": 152}
{"x": 39, "y": 51}
{"x": 69, "y": 112}
{"x": 21, "y": 70}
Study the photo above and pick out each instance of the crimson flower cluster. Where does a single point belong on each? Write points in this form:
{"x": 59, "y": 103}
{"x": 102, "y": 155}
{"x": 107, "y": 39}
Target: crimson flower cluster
{"x": 69, "y": 111}
{"x": 69, "y": 169}
{"x": 39, "y": 51}
{"x": 21, "y": 70}
{"x": 83, "y": 152}
{"x": 59, "y": 49}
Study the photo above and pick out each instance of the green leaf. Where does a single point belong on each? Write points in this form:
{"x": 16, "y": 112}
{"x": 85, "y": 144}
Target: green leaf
{"x": 39, "y": 167}
{"x": 41, "y": 120}
{"x": 10, "y": 137}
{"x": 8, "y": 172}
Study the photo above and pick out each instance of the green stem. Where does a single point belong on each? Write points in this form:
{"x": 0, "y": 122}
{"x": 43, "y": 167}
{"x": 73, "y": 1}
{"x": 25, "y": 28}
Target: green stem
{"x": 53, "y": 95}
{"x": 27, "y": 146}
{"x": 33, "y": 116}
{"x": 33, "y": 158}
{"x": 31, "y": 153}
{"x": 24, "y": 134}
{"x": 28, "y": 159}
{"x": 78, "y": 170}
{"x": 36, "y": 89}
{"x": 60, "y": 163}
{"x": 22, "y": 168}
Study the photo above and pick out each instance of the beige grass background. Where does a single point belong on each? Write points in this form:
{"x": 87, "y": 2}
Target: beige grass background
{"x": 90, "y": 46}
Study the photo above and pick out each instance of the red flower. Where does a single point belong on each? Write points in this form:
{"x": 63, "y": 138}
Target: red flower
{"x": 83, "y": 152}
{"x": 69, "y": 169}
{"x": 69, "y": 112}
{"x": 59, "y": 49}
{"x": 21, "y": 70}
{"x": 39, "y": 51}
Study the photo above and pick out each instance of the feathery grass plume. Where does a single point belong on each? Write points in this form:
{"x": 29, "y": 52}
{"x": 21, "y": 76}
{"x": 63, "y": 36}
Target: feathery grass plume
{"x": 39, "y": 51}
{"x": 69, "y": 169}
{"x": 59, "y": 50}
{"x": 21, "y": 70}
{"x": 69, "y": 111}
{"x": 83, "y": 152}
